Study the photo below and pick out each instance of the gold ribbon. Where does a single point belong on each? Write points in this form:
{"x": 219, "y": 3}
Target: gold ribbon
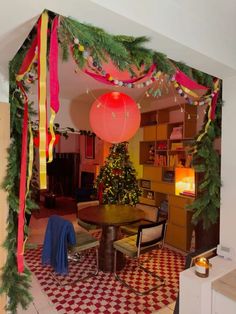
{"x": 189, "y": 92}
{"x": 216, "y": 88}
{"x": 42, "y": 100}
{"x": 206, "y": 126}
{"x": 50, "y": 147}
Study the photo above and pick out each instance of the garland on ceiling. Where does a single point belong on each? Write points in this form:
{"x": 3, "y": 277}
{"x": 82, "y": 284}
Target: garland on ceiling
{"x": 92, "y": 47}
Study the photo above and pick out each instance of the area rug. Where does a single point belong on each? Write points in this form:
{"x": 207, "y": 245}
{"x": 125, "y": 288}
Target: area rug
{"x": 63, "y": 206}
{"x": 102, "y": 293}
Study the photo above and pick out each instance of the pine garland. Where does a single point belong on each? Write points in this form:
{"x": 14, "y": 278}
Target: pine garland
{"x": 15, "y": 285}
{"x": 117, "y": 178}
{"x": 124, "y": 51}
{"x": 206, "y": 162}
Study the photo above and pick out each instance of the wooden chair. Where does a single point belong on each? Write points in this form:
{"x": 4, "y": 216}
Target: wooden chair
{"x": 149, "y": 238}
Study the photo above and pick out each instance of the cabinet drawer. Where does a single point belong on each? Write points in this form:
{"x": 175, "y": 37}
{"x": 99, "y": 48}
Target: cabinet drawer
{"x": 149, "y": 133}
{"x": 179, "y": 201}
{"x": 167, "y": 188}
{"x": 152, "y": 173}
{"x": 162, "y": 131}
{"x": 178, "y": 216}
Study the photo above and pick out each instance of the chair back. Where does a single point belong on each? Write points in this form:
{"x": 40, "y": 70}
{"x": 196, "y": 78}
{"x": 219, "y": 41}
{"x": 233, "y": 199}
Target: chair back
{"x": 151, "y": 235}
{"x": 150, "y": 212}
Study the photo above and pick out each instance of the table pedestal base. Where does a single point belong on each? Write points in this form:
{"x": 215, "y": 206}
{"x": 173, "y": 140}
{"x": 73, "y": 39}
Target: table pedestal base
{"x": 106, "y": 250}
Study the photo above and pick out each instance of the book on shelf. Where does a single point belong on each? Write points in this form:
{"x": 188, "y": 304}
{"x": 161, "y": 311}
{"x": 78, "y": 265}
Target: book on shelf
{"x": 188, "y": 161}
{"x": 160, "y": 160}
{"x": 173, "y": 160}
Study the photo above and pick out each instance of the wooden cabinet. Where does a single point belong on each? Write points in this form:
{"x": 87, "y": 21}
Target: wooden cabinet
{"x": 149, "y": 133}
{"x": 179, "y": 231}
{"x": 158, "y": 182}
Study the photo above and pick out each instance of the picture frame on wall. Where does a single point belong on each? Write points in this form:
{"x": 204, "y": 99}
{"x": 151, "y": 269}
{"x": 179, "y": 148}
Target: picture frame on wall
{"x": 89, "y": 147}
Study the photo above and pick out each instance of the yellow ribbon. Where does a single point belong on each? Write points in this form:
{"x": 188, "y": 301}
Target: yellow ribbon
{"x": 50, "y": 147}
{"x": 189, "y": 92}
{"x": 42, "y": 100}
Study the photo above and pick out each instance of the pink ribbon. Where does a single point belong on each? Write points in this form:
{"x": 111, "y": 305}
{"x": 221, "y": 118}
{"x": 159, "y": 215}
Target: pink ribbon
{"x": 184, "y": 80}
{"x": 53, "y": 63}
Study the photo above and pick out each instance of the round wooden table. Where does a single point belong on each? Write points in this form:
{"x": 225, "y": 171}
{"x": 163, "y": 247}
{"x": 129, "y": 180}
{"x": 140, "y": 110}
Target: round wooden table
{"x": 110, "y": 218}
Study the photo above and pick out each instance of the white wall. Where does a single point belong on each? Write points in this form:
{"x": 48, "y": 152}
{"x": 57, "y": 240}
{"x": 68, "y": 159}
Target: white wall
{"x": 197, "y": 32}
{"x": 4, "y": 89}
{"x": 72, "y": 113}
{"x": 228, "y": 166}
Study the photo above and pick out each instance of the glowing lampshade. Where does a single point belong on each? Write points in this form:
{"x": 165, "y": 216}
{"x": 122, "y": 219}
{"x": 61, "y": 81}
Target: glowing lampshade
{"x": 114, "y": 117}
{"x": 185, "y": 181}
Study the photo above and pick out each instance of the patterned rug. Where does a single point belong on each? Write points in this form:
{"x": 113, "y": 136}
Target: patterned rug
{"x": 102, "y": 293}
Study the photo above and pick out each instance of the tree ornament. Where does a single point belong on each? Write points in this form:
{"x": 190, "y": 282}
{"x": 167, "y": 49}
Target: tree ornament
{"x": 114, "y": 117}
{"x": 76, "y": 41}
{"x": 85, "y": 54}
{"x": 81, "y": 48}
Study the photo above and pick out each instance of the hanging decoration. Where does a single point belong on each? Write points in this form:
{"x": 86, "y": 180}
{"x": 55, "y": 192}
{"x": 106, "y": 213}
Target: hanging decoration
{"x": 42, "y": 97}
{"x": 48, "y": 141}
{"x": 114, "y": 117}
{"x": 54, "y": 84}
{"x": 22, "y": 190}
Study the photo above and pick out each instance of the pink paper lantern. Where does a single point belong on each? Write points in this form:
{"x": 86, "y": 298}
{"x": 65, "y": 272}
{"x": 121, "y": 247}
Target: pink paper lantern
{"x": 114, "y": 117}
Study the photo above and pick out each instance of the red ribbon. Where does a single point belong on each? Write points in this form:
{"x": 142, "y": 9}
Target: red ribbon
{"x": 29, "y": 57}
{"x": 22, "y": 192}
{"x": 104, "y": 80}
{"x": 184, "y": 80}
{"x": 213, "y": 105}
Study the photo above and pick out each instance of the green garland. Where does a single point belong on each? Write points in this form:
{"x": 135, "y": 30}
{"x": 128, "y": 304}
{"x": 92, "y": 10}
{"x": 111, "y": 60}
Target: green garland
{"x": 206, "y": 162}
{"x": 15, "y": 285}
{"x": 124, "y": 51}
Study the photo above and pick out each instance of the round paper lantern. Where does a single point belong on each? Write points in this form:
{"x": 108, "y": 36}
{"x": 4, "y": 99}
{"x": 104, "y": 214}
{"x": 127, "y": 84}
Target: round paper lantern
{"x": 114, "y": 117}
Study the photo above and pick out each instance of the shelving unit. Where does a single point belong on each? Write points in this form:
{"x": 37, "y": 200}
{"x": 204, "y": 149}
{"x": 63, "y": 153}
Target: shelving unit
{"x": 171, "y": 140}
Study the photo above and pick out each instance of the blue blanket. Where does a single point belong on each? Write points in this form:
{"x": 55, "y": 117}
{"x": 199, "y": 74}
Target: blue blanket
{"x": 59, "y": 234}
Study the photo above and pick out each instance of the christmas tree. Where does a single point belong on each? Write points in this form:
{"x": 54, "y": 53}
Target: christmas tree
{"x": 116, "y": 182}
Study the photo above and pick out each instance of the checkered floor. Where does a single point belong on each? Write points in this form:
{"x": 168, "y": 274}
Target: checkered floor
{"x": 103, "y": 294}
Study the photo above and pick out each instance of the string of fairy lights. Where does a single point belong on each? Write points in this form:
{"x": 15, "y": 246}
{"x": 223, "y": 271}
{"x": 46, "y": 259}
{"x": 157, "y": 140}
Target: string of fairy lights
{"x": 162, "y": 83}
